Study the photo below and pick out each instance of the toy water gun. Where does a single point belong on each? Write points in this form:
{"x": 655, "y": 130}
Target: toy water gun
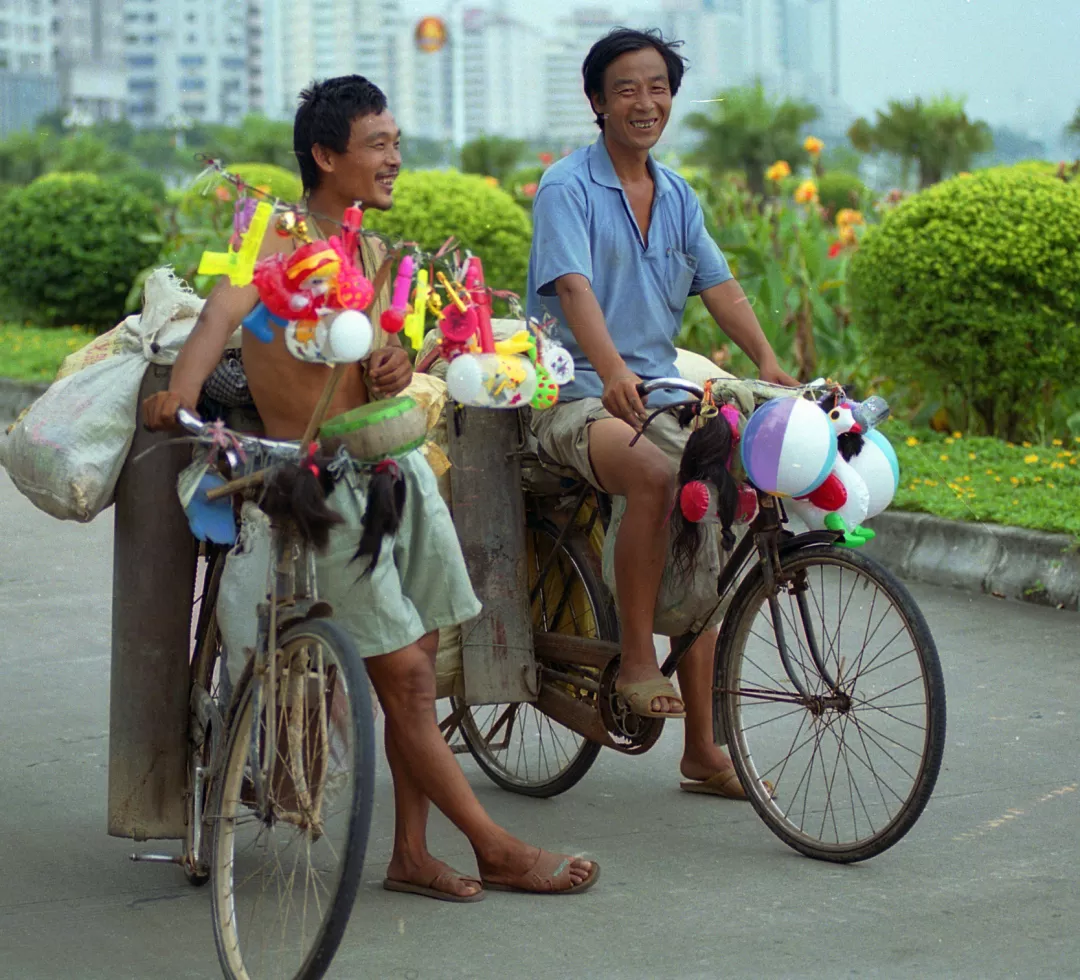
{"x": 414, "y": 321}
{"x": 239, "y": 264}
{"x": 393, "y": 318}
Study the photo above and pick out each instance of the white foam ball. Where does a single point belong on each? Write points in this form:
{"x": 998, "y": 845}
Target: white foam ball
{"x": 465, "y": 380}
{"x": 876, "y": 464}
{"x": 349, "y": 337}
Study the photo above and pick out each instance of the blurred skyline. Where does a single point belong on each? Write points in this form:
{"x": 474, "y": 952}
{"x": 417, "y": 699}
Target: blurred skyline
{"x": 1014, "y": 60}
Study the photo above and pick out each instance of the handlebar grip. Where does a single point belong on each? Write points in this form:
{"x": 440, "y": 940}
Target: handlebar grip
{"x": 189, "y": 420}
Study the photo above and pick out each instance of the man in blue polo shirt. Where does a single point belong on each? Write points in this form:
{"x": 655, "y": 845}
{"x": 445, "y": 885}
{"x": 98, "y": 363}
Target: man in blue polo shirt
{"x": 619, "y": 244}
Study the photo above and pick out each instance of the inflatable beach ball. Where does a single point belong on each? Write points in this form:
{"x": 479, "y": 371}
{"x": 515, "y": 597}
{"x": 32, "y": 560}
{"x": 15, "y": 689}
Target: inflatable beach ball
{"x": 880, "y": 470}
{"x": 788, "y": 447}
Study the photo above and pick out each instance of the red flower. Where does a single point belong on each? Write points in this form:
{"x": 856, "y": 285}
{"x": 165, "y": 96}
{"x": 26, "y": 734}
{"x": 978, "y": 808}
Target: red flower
{"x": 835, "y": 249}
{"x": 547, "y": 159}
{"x": 529, "y": 190}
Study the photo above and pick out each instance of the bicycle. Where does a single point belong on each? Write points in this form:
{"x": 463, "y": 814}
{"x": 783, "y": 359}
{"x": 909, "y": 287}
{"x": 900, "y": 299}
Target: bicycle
{"x": 788, "y": 689}
{"x": 281, "y": 774}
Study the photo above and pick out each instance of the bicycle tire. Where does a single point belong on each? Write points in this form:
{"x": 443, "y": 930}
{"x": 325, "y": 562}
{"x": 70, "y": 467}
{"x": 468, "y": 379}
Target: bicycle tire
{"x": 342, "y": 897}
{"x": 575, "y": 548}
{"x": 728, "y": 671}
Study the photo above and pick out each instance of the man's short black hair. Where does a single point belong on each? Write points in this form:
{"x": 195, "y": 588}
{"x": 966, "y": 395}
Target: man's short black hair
{"x": 623, "y": 40}
{"x": 325, "y": 116}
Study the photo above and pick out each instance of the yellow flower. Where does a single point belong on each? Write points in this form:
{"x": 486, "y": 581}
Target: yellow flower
{"x": 967, "y": 479}
{"x": 1026, "y": 445}
{"x": 849, "y": 216}
{"x": 847, "y": 235}
{"x": 948, "y": 441}
{"x": 813, "y": 146}
{"x": 1014, "y": 481}
{"x": 1037, "y": 479}
{"x": 989, "y": 472}
{"x": 778, "y": 171}
{"x": 958, "y": 435}
{"x": 1055, "y": 442}
{"x": 972, "y": 456}
{"x": 997, "y": 479}
{"x": 1031, "y": 458}
{"x": 1011, "y": 445}
{"x": 1015, "y": 502}
{"x": 944, "y": 457}
{"x": 491, "y": 181}
{"x": 806, "y": 193}
{"x": 911, "y": 441}
{"x": 1050, "y": 485}
{"x": 1057, "y": 465}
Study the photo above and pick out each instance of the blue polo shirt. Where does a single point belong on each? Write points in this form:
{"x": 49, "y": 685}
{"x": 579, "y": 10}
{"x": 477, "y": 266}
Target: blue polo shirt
{"x": 583, "y": 223}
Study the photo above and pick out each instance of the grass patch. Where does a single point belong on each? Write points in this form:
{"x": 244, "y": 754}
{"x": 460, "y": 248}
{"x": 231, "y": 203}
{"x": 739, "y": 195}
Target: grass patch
{"x": 36, "y": 353}
{"x": 982, "y": 479}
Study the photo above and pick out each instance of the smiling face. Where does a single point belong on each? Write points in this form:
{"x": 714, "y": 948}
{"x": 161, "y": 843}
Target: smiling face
{"x": 366, "y": 171}
{"x": 636, "y": 99}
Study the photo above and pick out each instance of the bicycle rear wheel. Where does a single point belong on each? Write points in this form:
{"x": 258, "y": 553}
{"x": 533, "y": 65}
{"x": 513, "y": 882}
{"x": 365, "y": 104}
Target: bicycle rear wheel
{"x": 288, "y": 850}
{"x": 850, "y": 734}
{"x": 519, "y": 747}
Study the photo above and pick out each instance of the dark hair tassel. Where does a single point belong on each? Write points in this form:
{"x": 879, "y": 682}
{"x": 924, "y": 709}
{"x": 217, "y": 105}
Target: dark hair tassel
{"x": 382, "y": 516}
{"x": 298, "y": 491}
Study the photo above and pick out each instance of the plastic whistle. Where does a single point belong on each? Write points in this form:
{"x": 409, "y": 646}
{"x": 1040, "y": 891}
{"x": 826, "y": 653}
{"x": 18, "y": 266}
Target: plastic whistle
{"x": 393, "y": 319}
{"x": 239, "y": 265}
{"x": 414, "y": 322}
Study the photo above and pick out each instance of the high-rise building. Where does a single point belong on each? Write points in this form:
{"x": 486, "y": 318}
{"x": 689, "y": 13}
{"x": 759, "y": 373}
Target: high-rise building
{"x": 89, "y": 54}
{"x": 186, "y": 63}
{"x": 28, "y": 83}
{"x": 503, "y": 76}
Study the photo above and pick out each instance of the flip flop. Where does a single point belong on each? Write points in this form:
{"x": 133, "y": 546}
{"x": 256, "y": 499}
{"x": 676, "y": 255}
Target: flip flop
{"x": 724, "y": 783}
{"x": 430, "y": 891}
{"x": 543, "y": 876}
{"x": 640, "y": 695}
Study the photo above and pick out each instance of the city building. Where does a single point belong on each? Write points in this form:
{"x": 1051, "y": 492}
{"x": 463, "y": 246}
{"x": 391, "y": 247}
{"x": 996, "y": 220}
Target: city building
{"x": 186, "y": 61}
{"x": 26, "y": 46}
{"x": 89, "y": 50}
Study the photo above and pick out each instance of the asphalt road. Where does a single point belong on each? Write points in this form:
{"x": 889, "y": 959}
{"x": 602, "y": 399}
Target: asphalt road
{"x": 693, "y": 887}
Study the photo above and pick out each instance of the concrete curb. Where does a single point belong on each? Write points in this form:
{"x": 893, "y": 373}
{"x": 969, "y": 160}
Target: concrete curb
{"x": 1013, "y": 562}
{"x": 17, "y": 395}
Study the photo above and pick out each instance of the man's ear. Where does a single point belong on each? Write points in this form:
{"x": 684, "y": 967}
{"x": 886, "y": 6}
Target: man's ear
{"x": 598, "y": 103}
{"x": 323, "y": 160}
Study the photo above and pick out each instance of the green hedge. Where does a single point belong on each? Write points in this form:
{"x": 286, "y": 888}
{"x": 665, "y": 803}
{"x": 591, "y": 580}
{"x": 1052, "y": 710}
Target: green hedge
{"x": 973, "y": 286}
{"x": 838, "y": 190}
{"x": 430, "y": 206}
{"x": 75, "y": 244}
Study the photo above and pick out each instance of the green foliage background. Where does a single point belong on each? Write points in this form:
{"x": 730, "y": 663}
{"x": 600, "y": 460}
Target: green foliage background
{"x": 72, "y": 244}
{"x": 974, "y": 285}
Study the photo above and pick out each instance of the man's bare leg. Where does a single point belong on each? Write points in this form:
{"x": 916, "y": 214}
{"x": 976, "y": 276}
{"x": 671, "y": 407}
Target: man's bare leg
{"x": 702, "y": 757}
{"x": 405, "y": 683}
{"x": 646, "y": 478}
{"x": 411, "y": 861}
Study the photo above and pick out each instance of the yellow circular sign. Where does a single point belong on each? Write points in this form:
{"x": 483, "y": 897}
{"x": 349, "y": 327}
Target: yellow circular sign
{"x": 430, "y": 34}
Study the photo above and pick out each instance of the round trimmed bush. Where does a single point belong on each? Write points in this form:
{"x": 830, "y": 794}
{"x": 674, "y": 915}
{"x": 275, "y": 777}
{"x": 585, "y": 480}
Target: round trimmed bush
{"x": 430, "y": 206}
{"x": 972, "y": 286}
{"x": 838, "y": 189}
{"x": 75, "y": 243}
{"x": 200, "y": 200}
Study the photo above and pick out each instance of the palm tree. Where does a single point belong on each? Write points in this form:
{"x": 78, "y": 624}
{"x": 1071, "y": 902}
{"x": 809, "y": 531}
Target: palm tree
{"x": 936, "y": 136}
{"x": 1072, "y": 130}
{"x": 745, "y": 129}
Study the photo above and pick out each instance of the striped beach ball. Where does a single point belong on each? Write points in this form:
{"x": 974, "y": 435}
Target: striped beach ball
{"x": 788, "y": 447}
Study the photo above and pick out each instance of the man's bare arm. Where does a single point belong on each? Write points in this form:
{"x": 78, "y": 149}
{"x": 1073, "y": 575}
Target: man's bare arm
{"x": 586, "y": 321}
{"x": 730, "y": 308}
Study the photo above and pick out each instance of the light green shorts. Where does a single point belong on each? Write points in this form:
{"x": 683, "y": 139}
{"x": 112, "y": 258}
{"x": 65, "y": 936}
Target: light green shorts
{"x": 420, "y": 583}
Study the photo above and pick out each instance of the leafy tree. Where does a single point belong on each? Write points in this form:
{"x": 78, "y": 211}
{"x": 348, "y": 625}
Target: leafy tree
{"x": 257, "y": 140}
{"x": 748, "y": 130}
{"x": 422, "y": 153}
{"x": 936, "y": 136}
{"x": 492, "y": 156}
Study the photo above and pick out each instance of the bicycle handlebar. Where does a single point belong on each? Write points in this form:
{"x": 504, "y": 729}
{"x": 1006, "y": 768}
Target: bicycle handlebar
{"x": 763, "y": 387}
{"x": 200, "y": 429}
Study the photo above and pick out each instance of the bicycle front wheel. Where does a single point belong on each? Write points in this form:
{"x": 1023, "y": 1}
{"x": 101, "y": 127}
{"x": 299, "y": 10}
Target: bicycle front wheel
{"x": 292, "y": 809}
{"x": 839, "y": 747}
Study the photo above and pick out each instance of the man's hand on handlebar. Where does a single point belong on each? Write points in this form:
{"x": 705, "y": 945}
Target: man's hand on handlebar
{"x": 771, "y": 372}
{"x": 159, "y": 410}
{"x": 622, "y": 399}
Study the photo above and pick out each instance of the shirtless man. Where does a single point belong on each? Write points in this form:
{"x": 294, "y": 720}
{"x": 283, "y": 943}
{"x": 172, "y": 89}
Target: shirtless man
{"x": 347, "y": 144}
{"x": 619, "y": 244}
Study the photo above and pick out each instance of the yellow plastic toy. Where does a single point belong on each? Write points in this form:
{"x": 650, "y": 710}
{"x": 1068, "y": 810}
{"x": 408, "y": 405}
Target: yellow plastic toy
{"x": 239, "y": 264}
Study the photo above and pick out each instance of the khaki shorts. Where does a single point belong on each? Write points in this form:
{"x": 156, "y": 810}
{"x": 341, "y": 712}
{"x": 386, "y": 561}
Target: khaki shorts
{"x": 420, "y": 582}
{"x": 687, "y": 602}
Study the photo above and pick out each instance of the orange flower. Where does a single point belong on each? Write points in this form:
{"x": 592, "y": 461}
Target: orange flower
{"x": 222, "y": 192}
{"x": 847, "y": 234}
{"x": 813, "y": 146}
{"x": 547, "y": 159}
{"x": 778, "y": 171}
{"x": 806, "y": 193}
{"x": 491, "y": 181}
{"x": 529, "y": 190}
{"x": 849, "y": 216}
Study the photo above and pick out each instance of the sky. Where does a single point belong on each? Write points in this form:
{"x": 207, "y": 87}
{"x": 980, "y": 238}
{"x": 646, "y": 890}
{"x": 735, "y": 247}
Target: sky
{"x": 1017, "y": 61}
